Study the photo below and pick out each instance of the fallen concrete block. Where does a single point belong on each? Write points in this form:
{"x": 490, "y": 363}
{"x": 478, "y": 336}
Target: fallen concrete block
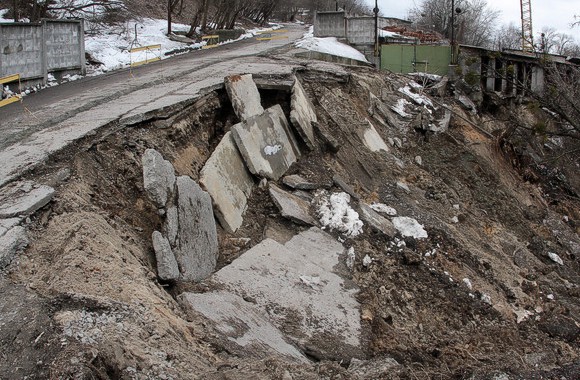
{"x": 11, "y": 242}
{"x": 244, "y": 96}
{"x": 196, "y": 248}
{"x": 247, "y": 328}
{"x": 371, "y": 138}
{"x": 24, "y": 199}
{"x": 300, "y": 282}
{"x": 442, "y": 124}
{"x": 376, "y": 221}
{"x": 266, "y": 144}
{"x": 227, "y": 180}
{"x": 167, "y": 268}
{"x": 158, "y": 177}
{"x": 291, "y": 206}
{"x": 302, "y": 115}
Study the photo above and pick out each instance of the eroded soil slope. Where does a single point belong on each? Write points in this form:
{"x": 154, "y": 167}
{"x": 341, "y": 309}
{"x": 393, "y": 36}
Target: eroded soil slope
{"x": 480, "y": 297}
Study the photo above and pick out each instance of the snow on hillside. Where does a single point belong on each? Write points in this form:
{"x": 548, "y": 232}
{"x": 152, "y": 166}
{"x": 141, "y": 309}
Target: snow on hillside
{"x": 329, "y": 45}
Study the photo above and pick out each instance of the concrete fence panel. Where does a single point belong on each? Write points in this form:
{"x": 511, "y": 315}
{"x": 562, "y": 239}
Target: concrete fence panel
{"x": 35, "y": 50}
{"x": 330, "y": 24}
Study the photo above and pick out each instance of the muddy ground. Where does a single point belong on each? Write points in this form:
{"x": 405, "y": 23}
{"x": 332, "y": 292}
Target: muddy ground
{"x": 84, "y": 300}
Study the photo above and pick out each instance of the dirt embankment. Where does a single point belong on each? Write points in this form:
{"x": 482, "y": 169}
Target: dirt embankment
{"x": 480, "y": 297}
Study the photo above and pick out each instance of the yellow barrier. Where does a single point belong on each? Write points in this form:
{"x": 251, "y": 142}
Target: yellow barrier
{"x": 8, "y": 79}
{"x": 212, "y": 41}
{"x": 274, "y": 31}
{"x": 270, "y": 37}
{"x": 146, "y": 49}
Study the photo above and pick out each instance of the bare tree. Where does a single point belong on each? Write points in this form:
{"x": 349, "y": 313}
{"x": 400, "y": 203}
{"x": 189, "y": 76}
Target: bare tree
{"x": 508, "y": 37}
{"x": 474, "y": 24}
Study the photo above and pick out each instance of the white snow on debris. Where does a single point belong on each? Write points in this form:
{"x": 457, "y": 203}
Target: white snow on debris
{"x": 555, "y": 258}
{"x": 383, "y": 209}
{"x": 417, "y": 98}
{"x": 350, "y": 258}
{"x": 400, "y": 107}
{"x": 409, "y": 227}
{"x": 334, "y": 212}
{"x": 271, "y": 150}
{"x": 329, "y": 45}
{"x": 467, "y": 283}
{"x": 367, "y": 260}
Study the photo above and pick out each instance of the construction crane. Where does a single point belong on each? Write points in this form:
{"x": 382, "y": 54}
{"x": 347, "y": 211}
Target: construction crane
{"x": 527, "y": 31}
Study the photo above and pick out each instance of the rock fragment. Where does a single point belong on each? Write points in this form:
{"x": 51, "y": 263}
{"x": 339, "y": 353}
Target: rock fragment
{"x": 291, "y": 206}
{"x": 158, "y": 177}
{"x": 376, "y": 221}
{"x": 167, "y": 268}
{"x": 297, "y": 182}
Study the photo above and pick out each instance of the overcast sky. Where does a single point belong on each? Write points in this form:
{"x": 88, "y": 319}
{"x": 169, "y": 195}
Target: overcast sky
{"x": 556, "y": 13}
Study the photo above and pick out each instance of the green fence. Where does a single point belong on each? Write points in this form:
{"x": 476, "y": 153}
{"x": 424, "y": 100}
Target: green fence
{"x": 416, "y": 58}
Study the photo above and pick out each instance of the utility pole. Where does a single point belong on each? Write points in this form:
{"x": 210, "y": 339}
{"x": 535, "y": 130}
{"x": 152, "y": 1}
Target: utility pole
{"x": 376, "y": 11}
{"x": 452, "y": 32}
{"x": 168, "y": 17}
{"x": 15, "y": 10}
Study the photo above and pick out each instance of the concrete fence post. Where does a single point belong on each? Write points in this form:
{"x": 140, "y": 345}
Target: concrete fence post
{"x": 82, "y": 46}
{"x": 44, "y": 34}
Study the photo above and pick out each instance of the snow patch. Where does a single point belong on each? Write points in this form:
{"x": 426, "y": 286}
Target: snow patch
{"x": 417, "y": 98}
{"x": 555, "y": 258}
{"x": 350, "y": 258}
{"x": 399, "y": 108}
{"x": 334, "y": 212}
{"x": 409, "y": 227}
{"x": 329, "y": 45}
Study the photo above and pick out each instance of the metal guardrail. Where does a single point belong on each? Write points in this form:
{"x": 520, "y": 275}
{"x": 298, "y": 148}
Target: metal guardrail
{"x": 146, "y": 49}
{"x": 10, "y": 79}
{"x": 212, "y": 41}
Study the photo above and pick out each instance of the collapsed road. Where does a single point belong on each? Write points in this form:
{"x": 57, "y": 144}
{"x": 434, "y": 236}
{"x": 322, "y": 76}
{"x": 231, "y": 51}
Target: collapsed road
{"x": 282, "y": 218}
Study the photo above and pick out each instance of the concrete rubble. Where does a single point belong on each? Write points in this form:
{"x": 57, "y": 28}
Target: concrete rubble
{"x": 291, "y": 206}
{"x": 244, "y": 96}
{"x": 24, "y": 198}
{"x": 297, "y": 182}
{"x": 226, "y": 178}
{"x": 158, "y": 177}
{"x": 302, "y": 115}
{"x": 376, "y": 221}
{"x": 189, "y": 240}
{"x": 300, "y": 281}
{"x": 247, "y": 327}
{"x": 196, "y": 248}
{"x": 11, "y": 242}
{"x": 266, "y": 143}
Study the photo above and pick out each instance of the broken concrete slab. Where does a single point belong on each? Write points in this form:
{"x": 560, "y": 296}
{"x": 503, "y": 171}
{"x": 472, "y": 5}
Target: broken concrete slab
{"x": 442, "y": 124}
{"x": 265, "y": 144}
{"x": 244, "y": 96}
{"x": 297, "y": 182}
{"x": 7, "y": 224}
{"x": 227, "y": 180}
{"x": 158, "y": 177}
{"x": 247, "y": 328}
{"x": 300, "y": 282}
{"x": 302, "y": 115}
{"x": 376, "y": 221}
{"x": 11, "y": 242}
{"x": 291, "y": 206}
{"x": 167, "y": 268}
{"x": 371, "y": 138}
{"x": 466, "y": 102}
{"x": 24, "y": 198}
{"x": 196, "y": 248}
